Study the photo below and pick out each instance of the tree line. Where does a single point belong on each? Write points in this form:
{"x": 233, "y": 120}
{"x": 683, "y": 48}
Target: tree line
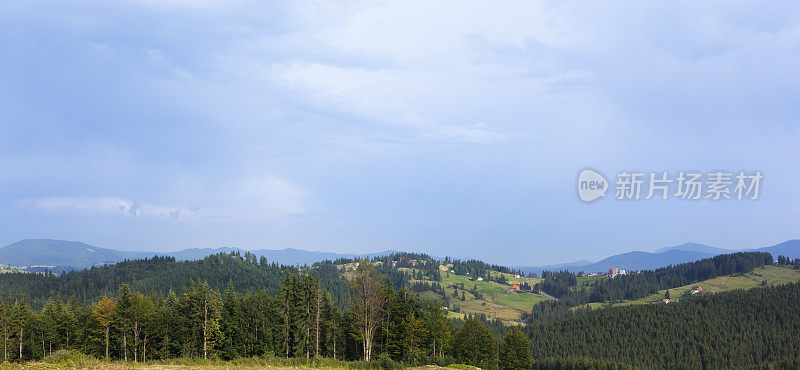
{"x": 300, "y": 320}
{"x": 786, "y": 261}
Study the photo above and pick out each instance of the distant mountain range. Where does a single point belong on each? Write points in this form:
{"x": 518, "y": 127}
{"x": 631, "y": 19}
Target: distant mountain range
{"x": 683, "y": 253}
{"x": 68, "y": 255}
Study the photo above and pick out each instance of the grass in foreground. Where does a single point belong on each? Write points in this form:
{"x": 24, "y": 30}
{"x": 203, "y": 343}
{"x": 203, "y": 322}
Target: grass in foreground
{"x": 71, "y": 359}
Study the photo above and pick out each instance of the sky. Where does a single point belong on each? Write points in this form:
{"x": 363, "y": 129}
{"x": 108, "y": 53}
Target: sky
{"x": 453, "y": 128}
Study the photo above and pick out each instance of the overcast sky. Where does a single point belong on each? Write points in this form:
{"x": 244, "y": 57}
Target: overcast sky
{"x": 450, "y": 128}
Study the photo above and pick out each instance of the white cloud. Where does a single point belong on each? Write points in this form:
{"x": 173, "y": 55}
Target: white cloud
{"x": 250, "y": 199}
{"x": 110, "y": 206}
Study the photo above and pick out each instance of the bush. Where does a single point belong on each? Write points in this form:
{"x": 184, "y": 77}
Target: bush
{"x": 386, "y": 362}
{"x": 71, "y": 358}
{"x": 415, "y": 357}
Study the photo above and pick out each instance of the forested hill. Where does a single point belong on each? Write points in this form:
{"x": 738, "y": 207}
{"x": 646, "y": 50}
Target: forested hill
{"x": 244, "y": 273}
{"x": 152, "y": 275}
{"x": 300, "y": 312}
{"x": 754, "y": 328}
{"x": 420, "y": 273}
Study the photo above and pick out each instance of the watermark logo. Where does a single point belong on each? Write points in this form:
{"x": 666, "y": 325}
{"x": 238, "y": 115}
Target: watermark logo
{"x": 591, "y": 185}
{"x": 687, "y": 185}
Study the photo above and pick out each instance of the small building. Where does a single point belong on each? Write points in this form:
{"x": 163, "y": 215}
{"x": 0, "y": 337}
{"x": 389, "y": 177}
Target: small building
{"x": 613, "y": 271}
{"x": 665, "y": 300}
{"x": 696, "y": 290}
{"x": 480, "y": 278}
{"x": 515, "y": 286}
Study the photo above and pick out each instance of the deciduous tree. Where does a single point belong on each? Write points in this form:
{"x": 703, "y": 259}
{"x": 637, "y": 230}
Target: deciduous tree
{"x": 367, "y": 302}
{"x": 104, "y": 315}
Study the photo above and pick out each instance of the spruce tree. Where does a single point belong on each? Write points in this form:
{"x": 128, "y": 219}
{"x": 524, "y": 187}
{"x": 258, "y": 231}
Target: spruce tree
{"x": 473, "y": 344}
{"x": 515, "y": 351}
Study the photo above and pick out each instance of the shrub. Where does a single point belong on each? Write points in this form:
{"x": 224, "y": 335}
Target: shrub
{"x": 71, "y": 358}
{"x": 386, "y": 362}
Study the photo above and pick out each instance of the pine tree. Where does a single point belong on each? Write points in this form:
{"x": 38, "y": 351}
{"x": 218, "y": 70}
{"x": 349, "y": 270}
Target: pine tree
{"x": 319, "y": 301}
{"x": 50, "y": 318}
{"x": 69, "y": 320}
{"x": 515, "y": 351}
{"x": 142, "y": 311}
{"x": 5, "y": 324}
{"x": 21, "y": 321}
{"x": 124, "y": 312}
{"x": 230, "y": 321}
{"x": 439, "y": 328}
{"x": 207, "y": 304}
{"x": 474, "y": 344}
{"x": 286, "y": 302}
{"x": 331, "y": 326}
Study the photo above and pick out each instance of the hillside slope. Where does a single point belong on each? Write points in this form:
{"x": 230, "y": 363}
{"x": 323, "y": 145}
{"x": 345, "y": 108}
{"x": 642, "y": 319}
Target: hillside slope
{"x": 760, "y": 276}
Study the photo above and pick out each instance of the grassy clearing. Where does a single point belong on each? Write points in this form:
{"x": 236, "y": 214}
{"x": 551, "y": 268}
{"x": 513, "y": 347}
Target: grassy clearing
{"x": 587, "y": 280}
{"x": 73, "y": 359}
{"x": 523, "y": 301}
{"x": 9, "y": 269}
{"x": 491, "y": 301}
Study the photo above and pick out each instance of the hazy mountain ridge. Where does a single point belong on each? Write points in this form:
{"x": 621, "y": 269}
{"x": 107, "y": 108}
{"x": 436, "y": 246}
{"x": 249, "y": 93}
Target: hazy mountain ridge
{"x": 49, "y": 252}
{"x": 68, "y": 255}
{"x": 696, "y": 247}
{"x": 687, "y": 252}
